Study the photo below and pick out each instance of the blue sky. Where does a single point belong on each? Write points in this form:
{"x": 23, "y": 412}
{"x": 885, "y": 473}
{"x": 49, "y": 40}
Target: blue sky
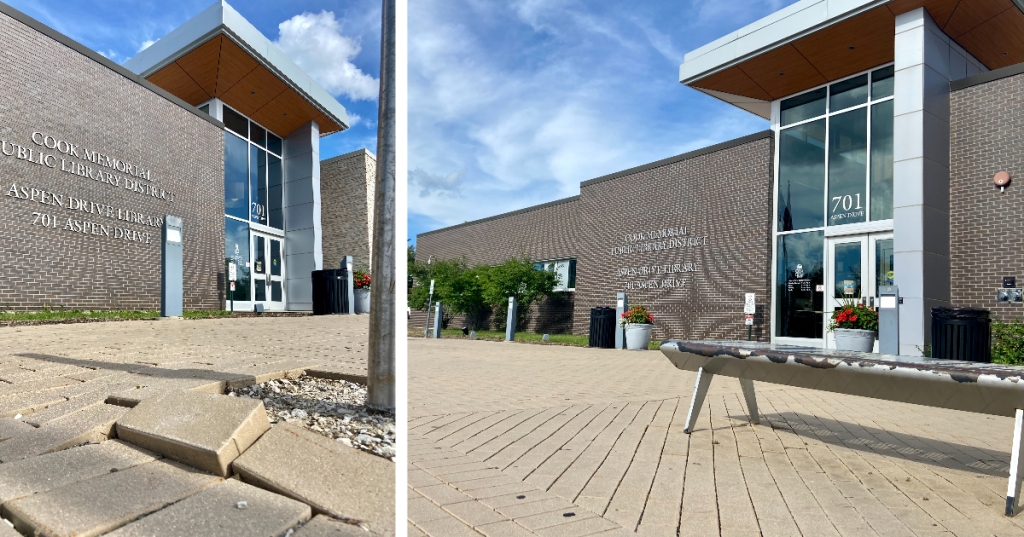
{"x": 514, "y": 103}
{"x": 337, "y": 43}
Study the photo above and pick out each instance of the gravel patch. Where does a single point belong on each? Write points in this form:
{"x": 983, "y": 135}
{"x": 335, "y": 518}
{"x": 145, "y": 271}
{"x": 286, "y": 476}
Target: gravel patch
{"x": 334, "y": 408}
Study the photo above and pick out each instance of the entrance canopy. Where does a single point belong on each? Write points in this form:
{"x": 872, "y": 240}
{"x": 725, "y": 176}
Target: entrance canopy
{"x": 220, "y": 54}
{"x": 813, "y": 42}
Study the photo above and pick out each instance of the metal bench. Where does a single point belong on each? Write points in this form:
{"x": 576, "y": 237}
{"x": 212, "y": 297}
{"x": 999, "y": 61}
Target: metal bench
{"x": 974, "y": 387}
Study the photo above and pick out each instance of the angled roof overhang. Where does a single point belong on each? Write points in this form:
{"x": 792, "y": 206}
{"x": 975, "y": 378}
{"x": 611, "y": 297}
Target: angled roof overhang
{"x": 813, "y": 42}
{"x": 220, "y": 54}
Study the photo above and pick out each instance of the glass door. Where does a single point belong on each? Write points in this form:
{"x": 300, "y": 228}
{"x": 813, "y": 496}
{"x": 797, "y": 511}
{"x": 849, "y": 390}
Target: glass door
{"x": 267, "y": 272}
{"x": 857, "y": 266}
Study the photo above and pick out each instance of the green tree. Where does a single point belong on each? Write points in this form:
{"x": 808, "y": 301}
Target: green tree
{"x": 514, "y": 278}
{"x": 455, "y": 286}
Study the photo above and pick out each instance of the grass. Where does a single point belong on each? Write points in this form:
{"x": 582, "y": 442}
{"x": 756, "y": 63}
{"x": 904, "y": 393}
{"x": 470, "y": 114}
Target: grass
{"x": 49, "y": 314}
{"x": 529, "y": 337}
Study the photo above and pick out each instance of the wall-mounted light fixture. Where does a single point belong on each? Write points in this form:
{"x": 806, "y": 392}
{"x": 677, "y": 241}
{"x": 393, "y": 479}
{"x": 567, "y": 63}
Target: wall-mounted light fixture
{"x": 1001, "y": 179}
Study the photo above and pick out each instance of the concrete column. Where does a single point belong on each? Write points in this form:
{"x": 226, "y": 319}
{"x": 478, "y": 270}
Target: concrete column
{"x": 302, "y": 232}
{"x": 925, "y": 61}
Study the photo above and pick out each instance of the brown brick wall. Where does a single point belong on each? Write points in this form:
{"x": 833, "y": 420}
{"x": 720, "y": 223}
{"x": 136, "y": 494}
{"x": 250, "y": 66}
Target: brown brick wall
{"x": 723, "y": 193}
{"x": 986, "y": 225}
{"x": 347, "y": 185}
{"x": 724, "y": 196}
{"x": 547, "y": 231}
{"x": 540, "y": 233}
{"x": 50, "y": 88}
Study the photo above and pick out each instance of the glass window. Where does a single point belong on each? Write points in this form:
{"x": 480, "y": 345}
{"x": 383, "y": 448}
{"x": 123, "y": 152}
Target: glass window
{"x": 881, "y": 83}
{"x": 258, "y": 185}
{"x": 881, "y": 160}
{"x": 572, "y": 274}
{"x": 883, "y": 262}
{"x": 847, "y": 167}
{"x": 275, "y": 257}
{"x": 236, "y": 122}
{"x": 275, "y": 290}
{"x": 257, "y": 134}
{"x": 236, "y": 249}
{"x": 236, "y": 172}
{"x": 273, "y": 143}
{"x": 275, "y": 192}
{"x": 847, "y": 270}
{"x": 205, "y": 108}
{"x": 259, "y": 254}
{"x": 847, "y": 93}
{"x": 802, "y": 176}
{"x": 805, "y": 106}
{"x": 798, "y": 273}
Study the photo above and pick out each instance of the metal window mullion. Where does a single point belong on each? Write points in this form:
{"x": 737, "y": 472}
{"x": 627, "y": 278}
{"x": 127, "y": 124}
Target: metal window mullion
{"x": 867, "y": 160}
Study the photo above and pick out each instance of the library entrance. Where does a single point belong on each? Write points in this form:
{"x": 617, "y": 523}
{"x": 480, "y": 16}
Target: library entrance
{"x": 856, "y": 267}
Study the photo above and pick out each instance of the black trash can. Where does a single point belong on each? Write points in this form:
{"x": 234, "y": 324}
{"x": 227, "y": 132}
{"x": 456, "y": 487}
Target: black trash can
{"x": 962, "y": 334}
{"x": 330, "y": 291}
{"x": 602, "y": 328}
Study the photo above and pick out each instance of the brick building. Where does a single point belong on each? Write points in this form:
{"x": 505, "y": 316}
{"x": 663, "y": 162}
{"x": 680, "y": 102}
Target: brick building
{"x": 888, "y": 123}
{"x": 212, "y": 123}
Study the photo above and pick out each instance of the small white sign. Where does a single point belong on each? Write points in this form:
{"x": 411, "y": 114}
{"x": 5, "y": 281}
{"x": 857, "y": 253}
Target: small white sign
{"x": 887, "y": 302}
{"x": 748, "y": 304}
{"x": 232, "y": 273}
{"x": 819, "y": 288}
{"x": 620, "y": 304}
{"x": 431, "y": 286}
{"x": 232, "y": 286}
{"x": 749, "y": 320}
{"x": 173, "y": 235}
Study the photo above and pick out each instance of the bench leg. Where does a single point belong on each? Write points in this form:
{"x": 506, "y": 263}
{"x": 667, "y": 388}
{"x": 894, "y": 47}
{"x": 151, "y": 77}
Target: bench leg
{"x": 1016, "y": 464}
{"x": 747, "y": 386}
{"x": 697, "y": 401}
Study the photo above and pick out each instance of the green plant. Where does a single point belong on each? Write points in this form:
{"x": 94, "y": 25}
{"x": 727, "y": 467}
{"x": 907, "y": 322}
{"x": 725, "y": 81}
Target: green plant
{"x": 1008, "y": 342}
{"x": 854, "y": 316}
{"x": 514, "y": 278}
{"x": 456, "y": 286}
{"x": 360, "y": 280}
{"x": 636, "y": 315}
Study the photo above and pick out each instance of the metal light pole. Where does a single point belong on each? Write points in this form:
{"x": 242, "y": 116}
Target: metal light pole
{"x": 381, "y": 363}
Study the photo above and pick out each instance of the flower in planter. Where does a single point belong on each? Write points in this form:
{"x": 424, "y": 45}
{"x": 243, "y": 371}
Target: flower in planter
{"x": 854, "y": 316}
{"x": 636, "y": 315}
{"x": 361, "y": 280}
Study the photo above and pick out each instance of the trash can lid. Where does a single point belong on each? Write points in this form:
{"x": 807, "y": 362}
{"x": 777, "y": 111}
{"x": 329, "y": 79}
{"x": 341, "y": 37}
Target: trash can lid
{"x": 960, "y": 313}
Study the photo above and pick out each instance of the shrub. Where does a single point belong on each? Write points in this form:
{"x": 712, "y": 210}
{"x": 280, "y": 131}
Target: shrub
{"x": 855, "y": 316}
{"x": 1008, "y": 342}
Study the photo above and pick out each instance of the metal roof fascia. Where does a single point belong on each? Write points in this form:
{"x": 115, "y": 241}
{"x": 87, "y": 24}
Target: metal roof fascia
{"x": 782, "y": 27}
{"x": 221, "y": 17}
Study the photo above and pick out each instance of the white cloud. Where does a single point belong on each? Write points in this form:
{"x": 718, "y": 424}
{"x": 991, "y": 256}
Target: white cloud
{"x": 145, "y": 45}
{"x": 512, "y": 105}
{"x": 314, "y": 42}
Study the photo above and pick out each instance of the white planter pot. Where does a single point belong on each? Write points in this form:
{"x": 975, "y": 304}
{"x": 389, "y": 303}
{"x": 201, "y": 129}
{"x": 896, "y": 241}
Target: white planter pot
{"x": 362, "y": 301}
{"x": 851, "y": 339}
{"x": 638, "y": 336}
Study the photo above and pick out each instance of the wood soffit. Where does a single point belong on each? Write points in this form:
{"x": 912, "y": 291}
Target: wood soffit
{"x": 220, "y": 68}
{"x": 991, "y": 30}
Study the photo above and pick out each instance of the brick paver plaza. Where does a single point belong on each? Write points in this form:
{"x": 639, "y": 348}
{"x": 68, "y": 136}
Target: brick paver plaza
{"x": 510, "y": 439}
{"x": 67, "y": 391}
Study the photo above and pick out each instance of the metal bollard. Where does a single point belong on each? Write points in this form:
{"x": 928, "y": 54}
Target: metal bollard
{"x": 888, "y": 320}
{"x": 621, "y": 305}
{"x": 510, "y": 321}
{"x": 171, "y": 278}
{"x": 438, "y": 312}
{"x": 346, "y": 264}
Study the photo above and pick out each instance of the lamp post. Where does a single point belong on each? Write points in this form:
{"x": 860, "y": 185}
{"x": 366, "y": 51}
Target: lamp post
{"x": 380, "y": 371}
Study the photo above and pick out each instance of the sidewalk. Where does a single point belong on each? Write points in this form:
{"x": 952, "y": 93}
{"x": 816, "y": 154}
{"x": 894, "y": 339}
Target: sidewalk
{"x": 515, "y": 439}
{"x": 124, "y": 426}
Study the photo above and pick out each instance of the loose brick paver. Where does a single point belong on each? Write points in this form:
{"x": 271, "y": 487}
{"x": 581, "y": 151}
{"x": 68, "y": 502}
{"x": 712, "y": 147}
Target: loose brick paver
{"x": 205, "y": 431}
{"x": 101, "y": 504}
{"x": 599, "y": 433}
{"x": 214, "y": 512}
{"x": 71, "y": 383}
{"x": 323, "y": 473}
